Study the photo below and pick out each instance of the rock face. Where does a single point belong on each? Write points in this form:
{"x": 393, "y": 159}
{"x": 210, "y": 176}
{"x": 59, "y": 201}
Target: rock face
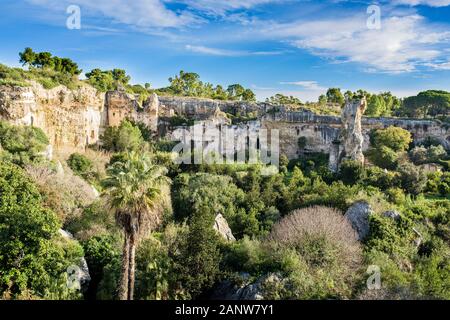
{"x": 85, "y": 277}
{"x": 73, "y": 119}
{"x": 221, "y": 225}
{"x": 350, "y": 143}
{"x": 120, "y": 105}
{"x": 248, "y": 291}
{"x": 358, "y": 215}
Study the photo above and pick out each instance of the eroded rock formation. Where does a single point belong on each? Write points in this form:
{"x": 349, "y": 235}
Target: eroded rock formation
{"x": 222, "y": 227}
{"x": 350, "y": 142}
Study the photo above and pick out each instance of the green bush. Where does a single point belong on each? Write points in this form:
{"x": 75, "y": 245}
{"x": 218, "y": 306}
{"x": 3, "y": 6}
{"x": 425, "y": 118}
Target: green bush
{"x": 33, "y": 257}
{"x": 80, "y": 164}
{"x": 126, "y": 137}
{"x": 351, "y": 172}
{"x": 395, "y": 138}
{"x": 23, "y": 144}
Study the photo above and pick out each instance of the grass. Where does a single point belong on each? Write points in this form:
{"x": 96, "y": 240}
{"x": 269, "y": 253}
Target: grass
{"x": 49, "y": 79}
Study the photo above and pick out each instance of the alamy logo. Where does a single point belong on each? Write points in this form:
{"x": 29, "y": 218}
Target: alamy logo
{"x": 374, "y": 280}
{"x": 74, "y": 277}
{"x": 201, "y": 144}
{"x": 374, "y": 20}
{"x": 73, "y": 22}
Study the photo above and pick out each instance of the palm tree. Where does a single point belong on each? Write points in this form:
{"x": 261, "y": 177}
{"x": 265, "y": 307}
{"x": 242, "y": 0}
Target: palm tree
{"x": 133, "y": 189}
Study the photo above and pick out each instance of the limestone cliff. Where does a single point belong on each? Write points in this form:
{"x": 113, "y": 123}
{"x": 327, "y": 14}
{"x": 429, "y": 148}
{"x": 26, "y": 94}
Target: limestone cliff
{"x": 71, "y": 119}
{"x": 351, "y": 140}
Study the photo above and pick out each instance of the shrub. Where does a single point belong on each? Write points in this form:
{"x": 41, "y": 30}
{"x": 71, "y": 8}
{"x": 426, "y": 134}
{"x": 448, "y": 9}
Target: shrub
{"x": 126, "y": 137}
{"x": 421, "y": 155}
{"x": 351, "y": 172}
{"x": 413, "y": 180}
{"x": 33, "y": 256}
{"x": 326, "y": 242}
{"x": 80, "y": 165}
{"x": 99, "y": 252}
{"x": 384, "y": 157}
{"x": 23, "y": 144}
{"x": 395, "y": 138}
{"x": 64, "y": 193}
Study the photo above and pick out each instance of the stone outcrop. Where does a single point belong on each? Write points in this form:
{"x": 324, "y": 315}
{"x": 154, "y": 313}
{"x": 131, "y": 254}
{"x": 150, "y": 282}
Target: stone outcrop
{"x": 350, "y": 143}
{"x": 71, "y": 119}
{"x": 228, "y": 290}
{"x": 358, "y": 216}
{"x": 392, "y": 214}
{"x": 121, "y": 105}
{"x": 222, "y": 227}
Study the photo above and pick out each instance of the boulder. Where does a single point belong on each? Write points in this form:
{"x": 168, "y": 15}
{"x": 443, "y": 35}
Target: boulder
{"x": 358, "y": 216}
{"x": 85, "y": 277}
{"x": 228, "y": 290}
{"x": 395, "y": 215}
{"x": 222, "y": 227}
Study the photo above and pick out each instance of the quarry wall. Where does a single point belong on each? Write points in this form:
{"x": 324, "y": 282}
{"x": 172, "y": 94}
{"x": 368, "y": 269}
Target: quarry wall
{"x": 73, "y": 119}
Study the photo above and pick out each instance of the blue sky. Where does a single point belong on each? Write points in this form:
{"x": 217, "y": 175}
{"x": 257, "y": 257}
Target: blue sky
{"x": 296, "y": 47}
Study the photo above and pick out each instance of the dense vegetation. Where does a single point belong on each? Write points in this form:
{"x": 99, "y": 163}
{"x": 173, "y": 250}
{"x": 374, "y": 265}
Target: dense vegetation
{"x": 144, "y": 224}
{"x": 150, "y": 235}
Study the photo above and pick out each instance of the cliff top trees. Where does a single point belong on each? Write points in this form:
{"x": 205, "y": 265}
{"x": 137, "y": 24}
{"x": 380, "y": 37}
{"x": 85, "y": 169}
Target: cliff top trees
{"x": 281, "y": 99}
{"x": 45, "y": 60}
{"x": 427, "y": 103}
{"x": 107, "y": 80}
{"x": 334, "y": 95}
{"x": 189, "y": 84}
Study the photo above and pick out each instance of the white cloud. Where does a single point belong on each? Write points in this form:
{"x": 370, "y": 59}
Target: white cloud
{"x": 431, "y": 3}
{"x": 309, "y": 85}
{"x": 439, "y": 65}
{"x": 138, "y": 13}
{"x": 229, "y": 53}
{"x": 401, "y": 45}
{"x": 221, "y": 7}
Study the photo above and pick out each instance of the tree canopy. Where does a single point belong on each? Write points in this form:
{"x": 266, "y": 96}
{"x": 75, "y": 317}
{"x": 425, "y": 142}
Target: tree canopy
{"x": 427, "y": 103}
{"x": 45, "y": 60}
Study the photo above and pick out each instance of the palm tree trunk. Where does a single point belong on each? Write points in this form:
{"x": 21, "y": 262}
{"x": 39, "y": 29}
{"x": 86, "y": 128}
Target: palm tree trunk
{"x": 132, "y": 266}
{"x": 123, "y": 286}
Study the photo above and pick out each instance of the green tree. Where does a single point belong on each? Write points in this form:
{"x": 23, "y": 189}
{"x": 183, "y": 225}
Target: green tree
{"x": 282, "y": 100}
{"x": 427, "y": 103}
{"x": 323, "y": 100}
{"x": 376, "y": 106}
{"x": 133, "y": 189}
{"x": 199, "y": 261}
{"x": 186, "y": 83}
{"x": 396, "y": 138}
{"x": 351, "y": 172}
{"x": 24, "y": 144}
{"x": 249, "y": 95}
{"x": 334, "y": 95}
{"x": 126, "y": 137}
{"x": 235, "y": 91}
{"x": 27, "y": 57}
{"x": 412, "y": 178}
